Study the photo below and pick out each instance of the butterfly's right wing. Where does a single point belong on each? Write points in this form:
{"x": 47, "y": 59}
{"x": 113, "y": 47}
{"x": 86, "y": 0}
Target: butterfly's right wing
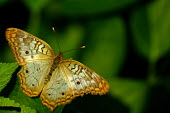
{"x": 69, "y": 80}
{"x": 28, "y": 48}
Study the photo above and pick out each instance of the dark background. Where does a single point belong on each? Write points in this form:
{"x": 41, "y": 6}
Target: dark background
{"x": 127, "y": 42}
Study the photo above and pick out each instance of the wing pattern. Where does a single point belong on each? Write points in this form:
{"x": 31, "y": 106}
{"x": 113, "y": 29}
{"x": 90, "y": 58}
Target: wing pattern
{"x": 28, "y": 48}
{"x": 32, "y": 77}
{"x": 69, "y": 80}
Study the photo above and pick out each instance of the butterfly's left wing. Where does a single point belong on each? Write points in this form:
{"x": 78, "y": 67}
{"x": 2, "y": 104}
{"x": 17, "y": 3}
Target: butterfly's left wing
{"x": 69, "y": 80}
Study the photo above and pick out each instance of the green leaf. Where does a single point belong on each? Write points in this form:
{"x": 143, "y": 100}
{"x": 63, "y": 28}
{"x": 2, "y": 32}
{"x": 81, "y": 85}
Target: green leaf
{"x": 2, "y": 2}
{"x": 105, "y": 46}
{"x": 151, "y": 26}
{"x": 71, "y": 38}
{"x": 6, "y": 70}
{"x": 36, "y": 5}
{"x": 87, "y": 7}
{"x": 6, "y": 102}
{"x": 35, "y": 103}
{"x": 131, "y": 92}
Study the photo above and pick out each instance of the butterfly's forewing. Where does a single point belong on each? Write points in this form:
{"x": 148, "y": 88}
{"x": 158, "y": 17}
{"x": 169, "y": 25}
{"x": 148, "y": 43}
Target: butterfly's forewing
{"x": 34, "y": 55}
{"x": 28, "y": 48}
{"x": 69, "y": 80}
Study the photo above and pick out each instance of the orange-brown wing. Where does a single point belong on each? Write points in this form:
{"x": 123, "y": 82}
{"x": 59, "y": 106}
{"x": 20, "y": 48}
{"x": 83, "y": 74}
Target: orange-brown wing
{"x": 28, "y": 48}
{"x": 69, "y": 80}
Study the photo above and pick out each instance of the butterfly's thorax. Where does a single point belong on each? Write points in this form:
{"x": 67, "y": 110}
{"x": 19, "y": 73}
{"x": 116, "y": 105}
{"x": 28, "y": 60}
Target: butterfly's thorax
{"x": 57, "y": 60}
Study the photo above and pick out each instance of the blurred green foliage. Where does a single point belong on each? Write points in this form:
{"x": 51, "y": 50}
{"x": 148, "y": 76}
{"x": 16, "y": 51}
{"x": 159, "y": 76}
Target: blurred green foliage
{"x": 127, "y": 42}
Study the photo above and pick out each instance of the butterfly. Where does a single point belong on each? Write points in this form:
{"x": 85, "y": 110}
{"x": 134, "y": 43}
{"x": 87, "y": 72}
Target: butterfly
{"x": 57, "y": 81}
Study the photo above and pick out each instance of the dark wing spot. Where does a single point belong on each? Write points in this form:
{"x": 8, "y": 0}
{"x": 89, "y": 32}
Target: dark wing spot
{"x": 26, "y": 52}
{"x": 49, "y": 94}
{"x": 63, "y": 93}
{"x": 78, "y": 82}
{"x": 32, "y": 84}
{"x": 50, "y": 74}
{"x": 27, "y": 71}
{"x": 38, "y": 69}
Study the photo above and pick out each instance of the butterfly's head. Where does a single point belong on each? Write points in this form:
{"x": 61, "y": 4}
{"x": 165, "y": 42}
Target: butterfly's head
{"x": 59, "y": 56}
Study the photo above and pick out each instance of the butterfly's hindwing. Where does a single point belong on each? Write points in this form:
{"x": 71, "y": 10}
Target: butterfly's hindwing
{"x": 57, "y": 91}
{"x": 32, "y": 77}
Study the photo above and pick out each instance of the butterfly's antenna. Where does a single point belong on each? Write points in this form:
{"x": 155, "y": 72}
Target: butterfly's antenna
{"x": 74, "y": 49}
{"x": 57, "y": 41}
